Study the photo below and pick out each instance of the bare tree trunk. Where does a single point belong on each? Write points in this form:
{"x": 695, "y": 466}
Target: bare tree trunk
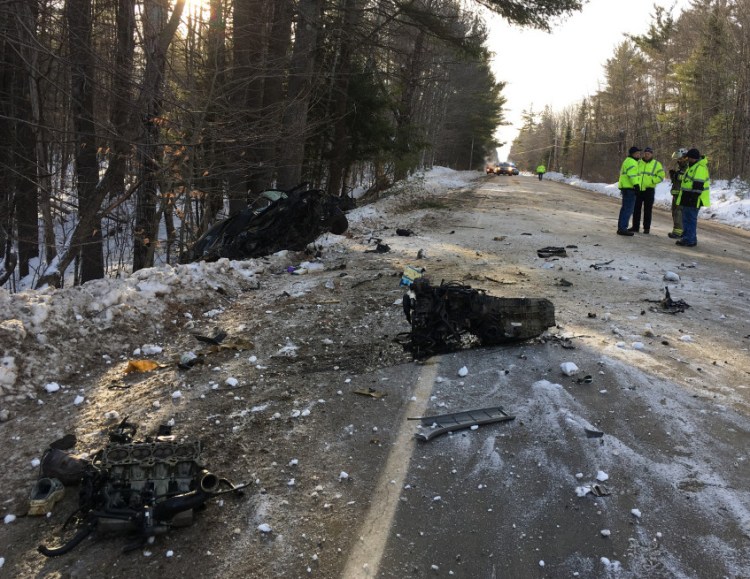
{"x": 158, "y": 36}
{"x": 294, "y": 123}
{"x": 89, "y": 244}
{"x": 337, "y": 166}
{"x": 249, "y": 54}
{"x": 276, "y": 64}
{"x": 122, "y": 79}
{"x": 91, "y": 216}
{"x": 26, "y": 199}
{"x": 409, "y": 81}
{"x": 19, "y": 140}
{"x": 31, "y": 55}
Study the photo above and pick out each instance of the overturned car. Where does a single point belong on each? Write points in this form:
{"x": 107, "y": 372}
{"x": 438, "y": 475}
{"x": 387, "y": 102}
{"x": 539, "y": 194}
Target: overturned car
{"x": 277, "y": 220}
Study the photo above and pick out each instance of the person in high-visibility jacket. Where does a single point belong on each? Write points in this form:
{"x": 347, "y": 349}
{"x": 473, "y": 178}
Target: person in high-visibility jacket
{"x": 675, "y": 175}
{"x": 541, "y": 170}
{"x": 629, "y": 183}
{"x": 652, "y": 173}
{"x": 694, "y": 194}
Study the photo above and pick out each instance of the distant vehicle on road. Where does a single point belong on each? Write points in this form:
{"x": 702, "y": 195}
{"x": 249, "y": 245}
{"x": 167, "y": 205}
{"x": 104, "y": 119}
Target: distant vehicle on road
{"x": 506, "y": 168}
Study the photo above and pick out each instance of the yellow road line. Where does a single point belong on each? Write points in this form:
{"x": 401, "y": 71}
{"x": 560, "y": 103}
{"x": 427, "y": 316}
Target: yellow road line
{"x": 364, "y": 560}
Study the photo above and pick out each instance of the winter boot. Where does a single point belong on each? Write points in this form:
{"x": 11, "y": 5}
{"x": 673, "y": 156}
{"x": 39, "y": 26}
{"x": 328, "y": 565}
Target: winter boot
{"x": 45, "y": 493}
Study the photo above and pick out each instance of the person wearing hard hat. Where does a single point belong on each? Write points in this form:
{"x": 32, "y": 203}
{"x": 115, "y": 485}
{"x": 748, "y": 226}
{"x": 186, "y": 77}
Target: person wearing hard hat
{"x": 675, "y": 175}
{"x": 694, "y": 194}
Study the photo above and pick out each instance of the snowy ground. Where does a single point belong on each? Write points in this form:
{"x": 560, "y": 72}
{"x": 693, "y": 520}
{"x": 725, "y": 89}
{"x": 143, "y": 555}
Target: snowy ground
{"x": 730, "y": 200}
{"x": 670, "y": 392}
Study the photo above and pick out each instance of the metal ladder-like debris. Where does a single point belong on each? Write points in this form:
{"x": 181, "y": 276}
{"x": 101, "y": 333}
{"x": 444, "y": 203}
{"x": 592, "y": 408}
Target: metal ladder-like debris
{"x": 443, "y": 423}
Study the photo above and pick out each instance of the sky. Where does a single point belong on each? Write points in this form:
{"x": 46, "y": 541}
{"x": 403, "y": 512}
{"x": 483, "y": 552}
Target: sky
{"x": 562, "y": 67}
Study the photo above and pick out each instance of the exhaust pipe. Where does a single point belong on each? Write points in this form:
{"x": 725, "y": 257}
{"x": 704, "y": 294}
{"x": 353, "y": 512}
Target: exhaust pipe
{"x": 209, "y": 482}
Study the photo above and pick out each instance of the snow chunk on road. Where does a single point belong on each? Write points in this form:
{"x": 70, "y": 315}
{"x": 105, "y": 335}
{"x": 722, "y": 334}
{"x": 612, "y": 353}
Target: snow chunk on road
{"x": 151, "y": 349}
{"x": 612, "y": 566}
{"x": 264, "y": 528}
{"x": 671, "y": 276}
{"x": 601, "y": 476}
{"x": 8, "y": 371}
{"x": 52, "y": 387}
{"x": 289, "y": 350}
{"x": 569, "y": 368}
{"x": 636, "y": 513}
{"x": 463, "y": 371}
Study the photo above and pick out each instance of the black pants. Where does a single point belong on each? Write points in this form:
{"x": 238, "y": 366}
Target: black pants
{"x": 540, "y": 175}
{"x": 643, "y": 199}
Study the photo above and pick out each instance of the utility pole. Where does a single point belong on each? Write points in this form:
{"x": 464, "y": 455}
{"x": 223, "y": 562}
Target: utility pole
{"x": 583, "y": 152}
{"x": 553, "y": 166}
{"x": 471, "y": 156}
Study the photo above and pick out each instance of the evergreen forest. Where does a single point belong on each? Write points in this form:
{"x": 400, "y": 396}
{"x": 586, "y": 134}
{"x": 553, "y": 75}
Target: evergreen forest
{"x": 683, "y": 83}
{"x": 129, "y": 127}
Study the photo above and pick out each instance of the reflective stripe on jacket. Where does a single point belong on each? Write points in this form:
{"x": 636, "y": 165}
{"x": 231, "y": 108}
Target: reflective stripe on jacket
{"x": 696, "y": 179}
{"x": 652, "y": 173}
{"x": 629, "y": 174}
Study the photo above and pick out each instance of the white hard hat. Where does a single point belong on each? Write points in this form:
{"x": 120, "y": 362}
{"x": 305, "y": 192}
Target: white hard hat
{"x": 680, "y": 153}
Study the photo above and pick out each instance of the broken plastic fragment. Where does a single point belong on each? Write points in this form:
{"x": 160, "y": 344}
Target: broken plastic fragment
{"x": 600, "y": 490}
{"x": 459, "y": 420}
{"x": 371, "y": 392}
{"x": 140, "y": 366}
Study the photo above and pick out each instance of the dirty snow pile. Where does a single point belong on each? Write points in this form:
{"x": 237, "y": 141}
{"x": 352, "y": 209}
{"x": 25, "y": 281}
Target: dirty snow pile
{"x": 437, "y": 181}
{"x": 730, "y": 200}
{"x": 46, "y": 334}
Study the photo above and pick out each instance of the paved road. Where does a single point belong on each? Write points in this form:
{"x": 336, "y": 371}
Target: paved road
{"x": 670, "y": 393}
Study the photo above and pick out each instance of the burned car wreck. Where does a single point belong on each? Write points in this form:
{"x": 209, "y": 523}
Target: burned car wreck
{"x": 452, "y": 316}
{"x": 277, "y": 220}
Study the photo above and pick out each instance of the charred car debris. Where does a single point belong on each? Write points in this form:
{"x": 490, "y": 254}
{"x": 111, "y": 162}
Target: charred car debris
{"x": 142, "y": 488}
{"x": 451, "y": 316}
{"x": 276, "y": 220}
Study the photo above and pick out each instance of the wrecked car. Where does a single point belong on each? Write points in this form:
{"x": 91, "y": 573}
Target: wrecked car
{"x": 277, "y": 220}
